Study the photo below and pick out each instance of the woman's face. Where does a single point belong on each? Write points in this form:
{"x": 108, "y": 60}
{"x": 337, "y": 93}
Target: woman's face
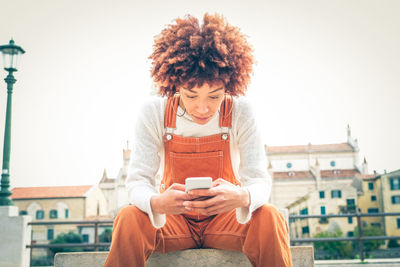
{"x": 202, "y": 102}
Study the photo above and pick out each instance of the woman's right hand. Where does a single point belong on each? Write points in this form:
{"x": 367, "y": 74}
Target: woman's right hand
{"x": 171, "y": 200}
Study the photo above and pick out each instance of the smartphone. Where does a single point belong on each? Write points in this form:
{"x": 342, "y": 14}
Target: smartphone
{"x": 197, "y": 183}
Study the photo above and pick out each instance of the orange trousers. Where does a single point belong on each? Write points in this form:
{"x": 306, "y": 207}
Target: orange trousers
{"x": 264, "y": 239}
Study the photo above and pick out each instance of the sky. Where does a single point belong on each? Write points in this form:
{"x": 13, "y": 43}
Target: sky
{"x": 320, "y": 65}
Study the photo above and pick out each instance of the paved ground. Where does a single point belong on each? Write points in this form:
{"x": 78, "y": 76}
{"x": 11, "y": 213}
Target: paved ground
{"x": 355, "y": 263}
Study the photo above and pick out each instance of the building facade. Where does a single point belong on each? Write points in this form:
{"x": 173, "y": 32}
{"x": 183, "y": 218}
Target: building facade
{"x": 114, "y": 188}
{"x": 332, "y": 198}
{"x": 298, "y": 170}
{"x": 57, "y": 203}
{"x": 390, "y": 183}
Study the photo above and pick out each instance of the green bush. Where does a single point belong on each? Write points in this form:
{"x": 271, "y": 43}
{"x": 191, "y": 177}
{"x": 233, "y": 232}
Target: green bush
{"x": 393, "y": 244}
{"x": 369, "y": 245}
{"x": 65, "y": 238}
{"x": 338, "y": 249}
{"x": 106, "y": 236}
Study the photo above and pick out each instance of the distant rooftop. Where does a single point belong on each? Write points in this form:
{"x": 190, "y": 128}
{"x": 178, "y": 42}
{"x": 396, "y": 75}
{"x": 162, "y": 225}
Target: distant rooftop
{"x": 341, "y": 147}
{"x": 50, "y": 192}
{"x": 324, "y": 174}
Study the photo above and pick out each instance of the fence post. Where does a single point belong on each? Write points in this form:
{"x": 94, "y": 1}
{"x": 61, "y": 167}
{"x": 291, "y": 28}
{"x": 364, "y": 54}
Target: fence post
{"x": 360, "y": 243}
{"x": 96, "y": 235}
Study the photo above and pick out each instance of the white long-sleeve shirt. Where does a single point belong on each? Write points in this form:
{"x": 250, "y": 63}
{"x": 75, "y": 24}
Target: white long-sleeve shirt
{"x": 246, "y": 148}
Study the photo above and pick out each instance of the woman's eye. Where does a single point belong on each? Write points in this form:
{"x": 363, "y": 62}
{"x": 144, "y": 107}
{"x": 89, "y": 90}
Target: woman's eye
{"x": 214, "y": 97}
{"x": 191, "y": 96}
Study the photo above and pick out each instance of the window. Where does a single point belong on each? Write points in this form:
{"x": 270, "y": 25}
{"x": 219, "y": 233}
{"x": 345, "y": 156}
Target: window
{"x": 305, "y": 230}
{"x": 304, "y": 211}
{"x": 336, "y": 194}
{"x": 395, "y": 199}
{"x": 351, "y": 205}
{"x": 394, "y": 183}
{"x": 53, "y": 214}
{"x": 321, "y": 194}
{"x": 378, "y": 225}
{"x": 323, "y": 210}
{"x": 23, "y": 212}
{"x": 333, "y": 163}
{"x": 289, "y": 165}
{"x": 39, "y": 214}
{"x": 66, "y": 214}
{"x": 85, "y": 238}
{"x": 350, "y": 234}
{"x": 371, "y": 186}
{"x": 398, "y": 223}
{"x": 50, "y": 234}
{"x": 350, "y": 220}
{"x": 373, "y": 210}
{"x": 373, "y": 198}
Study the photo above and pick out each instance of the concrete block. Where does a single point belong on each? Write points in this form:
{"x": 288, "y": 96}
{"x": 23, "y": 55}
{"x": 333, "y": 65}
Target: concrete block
{"x": 15, "y": 235}
{"x": 8, "y": 211}
{"x": 301, "y": 257}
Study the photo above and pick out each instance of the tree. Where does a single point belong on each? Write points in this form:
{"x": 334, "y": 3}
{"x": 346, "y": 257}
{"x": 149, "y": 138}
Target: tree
{"x": 105, "y": 236}
{"x": 337, "y": 249}
{"x": 65, "y": 238}
{"x": 369, "y": 245}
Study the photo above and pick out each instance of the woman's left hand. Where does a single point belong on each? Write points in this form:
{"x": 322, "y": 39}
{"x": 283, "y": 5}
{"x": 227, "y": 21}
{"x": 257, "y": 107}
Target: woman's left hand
{"x": 223, "y": 197}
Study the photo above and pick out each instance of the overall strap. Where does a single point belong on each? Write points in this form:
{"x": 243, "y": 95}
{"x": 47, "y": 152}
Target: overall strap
{"x": 170, "y": 111}
{"x": 225, "y": 116}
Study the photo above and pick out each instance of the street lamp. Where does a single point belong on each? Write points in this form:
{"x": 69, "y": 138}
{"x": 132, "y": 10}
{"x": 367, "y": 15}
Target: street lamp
{"x": 11, "y": 53}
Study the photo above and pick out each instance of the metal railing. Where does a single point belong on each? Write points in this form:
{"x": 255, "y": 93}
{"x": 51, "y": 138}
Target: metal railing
{"x": 360, "y": 238}
{"x": 95, "y": 223}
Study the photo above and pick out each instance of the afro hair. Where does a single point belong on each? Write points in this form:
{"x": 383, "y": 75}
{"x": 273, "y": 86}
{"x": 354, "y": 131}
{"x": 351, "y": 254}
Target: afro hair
{"x": 189, "y": 54}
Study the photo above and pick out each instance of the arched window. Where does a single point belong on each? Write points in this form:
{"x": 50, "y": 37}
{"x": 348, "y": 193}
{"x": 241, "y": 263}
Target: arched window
{"x": 39, "y": 214}
{"x": 53, "y": 214}
{"x": 62, "y": 209}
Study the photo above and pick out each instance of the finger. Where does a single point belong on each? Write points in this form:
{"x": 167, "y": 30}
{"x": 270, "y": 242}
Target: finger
{"x": 216, "y": 209}
{"x": 202, "y": 192}
{"x": 218, "y": 182}
{"x": 178, "y": 186}
{"x": 200, "y": 204}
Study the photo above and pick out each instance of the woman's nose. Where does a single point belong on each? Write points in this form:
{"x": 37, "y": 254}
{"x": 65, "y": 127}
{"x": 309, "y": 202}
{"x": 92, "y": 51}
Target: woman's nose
{"x": 202, "y": 108}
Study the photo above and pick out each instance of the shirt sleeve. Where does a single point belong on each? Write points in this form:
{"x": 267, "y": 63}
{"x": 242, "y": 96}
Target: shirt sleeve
{"x": 253, "y": 173}
{"x": 145, "y": 162}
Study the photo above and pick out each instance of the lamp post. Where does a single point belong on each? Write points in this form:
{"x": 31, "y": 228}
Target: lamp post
{"x": 11, "y": 53}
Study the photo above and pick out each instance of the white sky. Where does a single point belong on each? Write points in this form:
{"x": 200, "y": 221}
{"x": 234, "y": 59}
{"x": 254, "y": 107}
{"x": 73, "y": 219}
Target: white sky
{"x": 321, "y": 65}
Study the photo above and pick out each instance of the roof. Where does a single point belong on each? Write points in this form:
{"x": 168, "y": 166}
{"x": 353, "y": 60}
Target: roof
{"x": 368, "y": 176}
{"x": 293, "y": 174}
{"x": 341, "y": 147}
{"x": 339, "y": 173}
{"x": 50, "y": 192}
{"x": 324, "y": 174}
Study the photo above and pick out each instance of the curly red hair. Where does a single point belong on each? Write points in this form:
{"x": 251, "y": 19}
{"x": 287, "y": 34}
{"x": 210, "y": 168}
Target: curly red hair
{"x": 187, "y": 54}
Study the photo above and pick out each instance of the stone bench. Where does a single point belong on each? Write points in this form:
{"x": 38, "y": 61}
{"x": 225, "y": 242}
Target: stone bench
{"x": 302, "y": 256}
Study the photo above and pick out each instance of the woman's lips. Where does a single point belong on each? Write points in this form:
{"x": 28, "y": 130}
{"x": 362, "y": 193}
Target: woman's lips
{"x": 201, "y": 118}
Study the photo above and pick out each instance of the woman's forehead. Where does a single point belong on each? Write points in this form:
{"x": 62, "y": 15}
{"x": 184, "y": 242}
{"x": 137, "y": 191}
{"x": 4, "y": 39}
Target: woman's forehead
{"x": 209, "y": 88}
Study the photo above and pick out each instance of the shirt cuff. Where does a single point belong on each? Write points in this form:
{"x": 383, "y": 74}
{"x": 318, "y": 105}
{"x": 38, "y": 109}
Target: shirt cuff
{"x": 243, "y": 214}
{"x": 157, "y": 220}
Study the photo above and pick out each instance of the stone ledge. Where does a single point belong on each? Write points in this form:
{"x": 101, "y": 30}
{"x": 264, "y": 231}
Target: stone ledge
{"x": 302, "y": 256}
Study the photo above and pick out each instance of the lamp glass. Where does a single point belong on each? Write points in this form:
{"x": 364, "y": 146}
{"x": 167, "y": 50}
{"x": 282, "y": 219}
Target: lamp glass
{"x": 10, "y": 58}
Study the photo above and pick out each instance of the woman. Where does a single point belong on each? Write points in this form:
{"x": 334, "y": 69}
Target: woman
{"x": 201, "y": 129}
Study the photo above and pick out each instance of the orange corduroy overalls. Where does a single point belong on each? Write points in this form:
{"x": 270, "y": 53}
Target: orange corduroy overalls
{"x": 264, "y": 239}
